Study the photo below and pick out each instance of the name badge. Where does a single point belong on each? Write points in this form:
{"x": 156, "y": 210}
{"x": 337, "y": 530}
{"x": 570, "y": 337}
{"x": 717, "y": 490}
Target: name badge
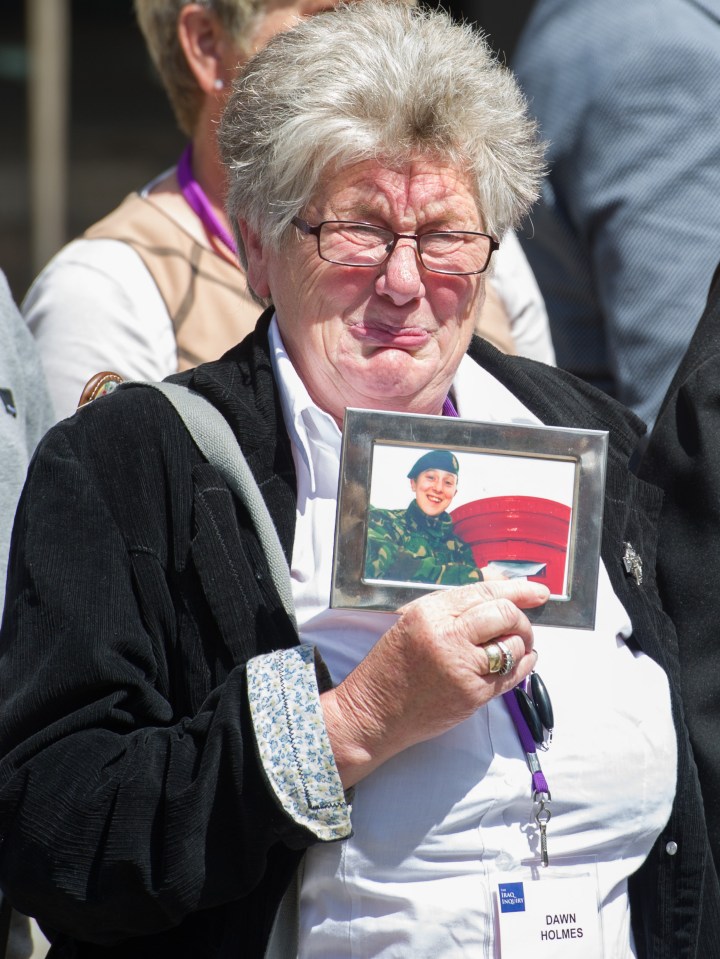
{"x": 548, "y": 918}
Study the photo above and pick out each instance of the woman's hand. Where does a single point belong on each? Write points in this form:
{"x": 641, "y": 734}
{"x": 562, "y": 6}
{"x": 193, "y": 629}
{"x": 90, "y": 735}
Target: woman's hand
{"x": 429, "y": 672}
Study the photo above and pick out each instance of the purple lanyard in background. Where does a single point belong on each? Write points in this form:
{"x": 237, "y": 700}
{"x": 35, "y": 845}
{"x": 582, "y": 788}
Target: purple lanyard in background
{"x": 198, "y": 202}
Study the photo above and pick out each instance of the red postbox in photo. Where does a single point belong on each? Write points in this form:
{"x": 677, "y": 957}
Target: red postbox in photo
{"x": 520, "y": 530}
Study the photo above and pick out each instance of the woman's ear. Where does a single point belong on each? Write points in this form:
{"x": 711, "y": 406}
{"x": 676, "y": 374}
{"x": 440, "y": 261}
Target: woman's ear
{"x": 206, "y": 46}
{"x": 256, "y": 260}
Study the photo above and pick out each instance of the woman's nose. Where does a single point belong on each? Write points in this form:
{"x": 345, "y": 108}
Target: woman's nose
{"x": 401, "y": 278}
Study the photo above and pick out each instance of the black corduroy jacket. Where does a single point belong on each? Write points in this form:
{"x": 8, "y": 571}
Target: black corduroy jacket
{"x": 683, "y": 458}
{"x": 136, "y": 820}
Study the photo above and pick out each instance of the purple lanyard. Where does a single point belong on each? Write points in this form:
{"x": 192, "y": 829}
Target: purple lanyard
{"x": 198, "y": 201}
{"x": 539, "y": 783}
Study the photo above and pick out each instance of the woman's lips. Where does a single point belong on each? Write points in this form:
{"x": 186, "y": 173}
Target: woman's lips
{"x": 406, "y": 337}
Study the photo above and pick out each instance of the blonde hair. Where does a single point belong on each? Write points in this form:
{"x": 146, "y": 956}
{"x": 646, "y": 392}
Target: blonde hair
{"x": 158, "y": 21}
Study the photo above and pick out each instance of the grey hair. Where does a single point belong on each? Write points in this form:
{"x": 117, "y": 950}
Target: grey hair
{"x": 382, "y": 80}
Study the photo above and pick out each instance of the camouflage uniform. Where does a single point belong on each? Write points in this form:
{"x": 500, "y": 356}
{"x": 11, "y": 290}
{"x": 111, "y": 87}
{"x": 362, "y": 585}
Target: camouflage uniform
{"x": 409, "y": 546}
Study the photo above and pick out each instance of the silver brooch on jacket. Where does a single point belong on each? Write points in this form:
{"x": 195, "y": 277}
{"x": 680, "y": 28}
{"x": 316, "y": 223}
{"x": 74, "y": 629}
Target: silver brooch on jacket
{"x": 633, "y": 563}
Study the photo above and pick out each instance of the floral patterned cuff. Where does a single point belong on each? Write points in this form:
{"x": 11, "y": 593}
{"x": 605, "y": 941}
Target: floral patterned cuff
{"x": 293, "y": 743}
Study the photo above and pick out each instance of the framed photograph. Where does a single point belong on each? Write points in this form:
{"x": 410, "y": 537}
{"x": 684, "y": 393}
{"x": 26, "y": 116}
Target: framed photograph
{"x": 430, "y": 502}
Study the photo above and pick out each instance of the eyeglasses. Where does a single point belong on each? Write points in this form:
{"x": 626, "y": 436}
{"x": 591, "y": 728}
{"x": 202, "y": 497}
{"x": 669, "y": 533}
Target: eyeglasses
{"x": 349, "y": 243}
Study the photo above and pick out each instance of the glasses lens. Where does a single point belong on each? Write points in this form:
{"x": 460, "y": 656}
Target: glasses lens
{"x": 455, "y": 252}
{"x": 354, "y": 244}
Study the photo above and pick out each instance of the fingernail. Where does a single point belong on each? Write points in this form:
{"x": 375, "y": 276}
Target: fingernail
{"x": 541, "y": 589}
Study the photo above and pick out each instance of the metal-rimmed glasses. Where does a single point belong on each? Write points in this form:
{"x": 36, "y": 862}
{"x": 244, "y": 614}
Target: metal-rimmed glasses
{"x": 353, "y": 243}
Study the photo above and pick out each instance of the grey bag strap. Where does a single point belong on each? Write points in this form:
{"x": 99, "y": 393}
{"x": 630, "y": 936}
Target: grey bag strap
{"x": 215, "y": 439}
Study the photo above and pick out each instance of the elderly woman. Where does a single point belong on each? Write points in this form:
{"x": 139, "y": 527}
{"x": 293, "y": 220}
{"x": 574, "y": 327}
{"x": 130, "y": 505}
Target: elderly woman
{"x": 155, "y": 286}
{"x": 177, "y": 742}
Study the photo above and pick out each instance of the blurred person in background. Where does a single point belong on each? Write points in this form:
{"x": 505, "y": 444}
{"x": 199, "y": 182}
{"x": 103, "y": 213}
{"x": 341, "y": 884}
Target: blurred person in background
{"x": 25, "y": 414}
{"x": 624, "y": 240}
{"x": 156, "y": 286}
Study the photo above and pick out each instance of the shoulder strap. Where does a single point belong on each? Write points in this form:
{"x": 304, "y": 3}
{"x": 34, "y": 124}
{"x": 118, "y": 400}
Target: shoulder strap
{"x": 216, "y": 441}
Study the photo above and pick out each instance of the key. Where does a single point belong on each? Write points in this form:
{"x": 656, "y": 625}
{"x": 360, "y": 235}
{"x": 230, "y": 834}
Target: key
{"x": 543, "y": 844}
{"x": 542, "y": 818}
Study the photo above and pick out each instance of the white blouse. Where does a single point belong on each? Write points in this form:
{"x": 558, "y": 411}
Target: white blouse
{"x": 433, "y": 825}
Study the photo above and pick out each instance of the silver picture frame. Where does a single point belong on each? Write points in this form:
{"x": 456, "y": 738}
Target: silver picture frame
{"x": 501, "y": 468}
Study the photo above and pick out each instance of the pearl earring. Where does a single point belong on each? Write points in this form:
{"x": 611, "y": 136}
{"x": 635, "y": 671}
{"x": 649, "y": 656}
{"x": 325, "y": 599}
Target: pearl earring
{"x": 218, "y": 84}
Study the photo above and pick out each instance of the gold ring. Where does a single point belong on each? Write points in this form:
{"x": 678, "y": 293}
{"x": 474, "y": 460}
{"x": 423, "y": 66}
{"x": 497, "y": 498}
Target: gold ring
{"x": 495, "y": 657}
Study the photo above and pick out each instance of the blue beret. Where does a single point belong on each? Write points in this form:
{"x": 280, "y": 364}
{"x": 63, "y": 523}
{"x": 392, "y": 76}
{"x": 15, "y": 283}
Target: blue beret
{"x": 437, "y": 460}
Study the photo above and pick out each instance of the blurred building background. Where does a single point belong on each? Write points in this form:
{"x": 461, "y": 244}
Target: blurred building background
{"x": 120, "y": 131}
{"x": 84, "y": 121}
